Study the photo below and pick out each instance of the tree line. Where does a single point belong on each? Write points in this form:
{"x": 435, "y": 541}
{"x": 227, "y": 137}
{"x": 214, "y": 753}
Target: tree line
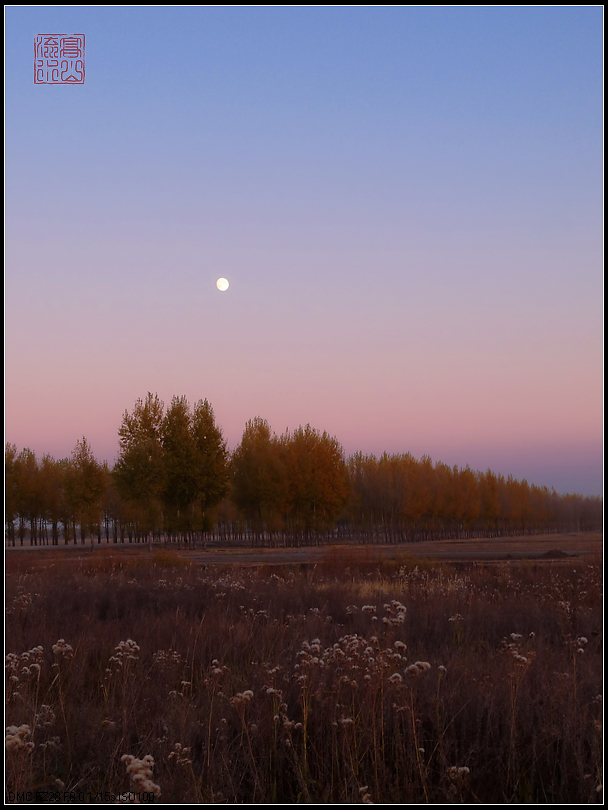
{"x": 175, "y": 482}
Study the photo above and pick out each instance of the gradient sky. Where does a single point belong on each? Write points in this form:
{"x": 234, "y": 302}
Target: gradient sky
{"x": 407, "y": 201}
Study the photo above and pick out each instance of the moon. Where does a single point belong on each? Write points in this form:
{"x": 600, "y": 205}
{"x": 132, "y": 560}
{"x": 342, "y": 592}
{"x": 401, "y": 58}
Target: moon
{"x": 222, "y": 284}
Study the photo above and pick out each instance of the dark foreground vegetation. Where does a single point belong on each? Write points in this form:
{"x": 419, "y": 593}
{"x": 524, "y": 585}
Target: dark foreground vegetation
{"x": 175, "y": 483}
{"x": 357, "y": 680}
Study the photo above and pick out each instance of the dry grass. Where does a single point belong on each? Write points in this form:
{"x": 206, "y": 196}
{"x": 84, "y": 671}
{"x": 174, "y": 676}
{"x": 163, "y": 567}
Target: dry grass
{"x": 352, "y": 681}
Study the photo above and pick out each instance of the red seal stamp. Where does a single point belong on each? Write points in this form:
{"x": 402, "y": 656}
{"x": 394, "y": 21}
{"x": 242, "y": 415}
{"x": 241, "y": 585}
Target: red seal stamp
{"x": 59, "y": 59}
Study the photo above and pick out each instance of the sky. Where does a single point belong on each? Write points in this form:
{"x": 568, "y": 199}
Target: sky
{"x": 406, "y": 201}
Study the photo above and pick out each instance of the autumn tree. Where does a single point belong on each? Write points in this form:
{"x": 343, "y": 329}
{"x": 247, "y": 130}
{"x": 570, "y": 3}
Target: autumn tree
{"x": 51, "y": 484}
{"x": 29, "y": 496}
{"x": 139, "y": 471}
{"x": 89, "y": 487}
{"x": 489, "y": 491}
{"x": 517, "y": 504}
{"x": 469, "y": 500}
{"x": 447, "y": 511}
{"x": 391, "y": 487}
{"x": 179, "y": 482}
{"x": 316, "y": 479}
{"x": 111, "y": 504}
{"x": 258, "y": 478}
{"x": 210, "y": 464}
{"x": 11, "y": 491}
{"x": 173, "y": 467}
{"x": 68, "y": 505}
{"x": 365, "y": 496}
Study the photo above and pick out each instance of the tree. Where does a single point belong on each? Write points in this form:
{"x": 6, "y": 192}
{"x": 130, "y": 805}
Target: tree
{"x": 51, "y": 483}
{"x": 316, "y": 479}
{"x": 69, "y": 496}
{"x": 139, "y": 471}
{"x": 447, "y": 512}
{"x": 110, "y": 503}
{"x": 211, "y": 472}
{"x": 11, "y": 492}
{"x": 172, "y": 468}
{"x": 391, "y": 488}
{"x": 258, "y": 477}
{"x": 179, "y": 458}
{"x": 489, "y": 490}
{"x": 29, "y": 496}
{"x": 517, "y": 508}
{"x": 89, "y": 487}
{"x": 362, "y": 510}
{"x": 469, "y": 499}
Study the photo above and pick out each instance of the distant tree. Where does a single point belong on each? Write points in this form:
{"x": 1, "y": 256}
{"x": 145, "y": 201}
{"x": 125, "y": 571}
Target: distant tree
{"x": 139, "y": 471}
{"x": 110, "y": 502}
{"x": 469, "y": 499}
{"x": 89, "y": 487}
{"x": 179, "y": 458}
{"x": 69, "y": 495}
{"x": 11, "y": 491}
{"x": 490, "y": 511}
{"x": 172, "y": 470}
{"x": 392, "y": 485}
{"x": 258, "y": 478}
{"x": 51, "y": 483}
{"x": 316, "y": 479}
{"x": 361, "y": 469}
{"x": 517, "y": 504}
{"x": 211, "y": 472}
{"x": 447, "y": 512}
{"x": 419, "y": 500}
{"x": 29, "y": 496}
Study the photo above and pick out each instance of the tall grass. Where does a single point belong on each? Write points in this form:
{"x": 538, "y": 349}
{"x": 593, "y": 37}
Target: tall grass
{"x": 349, "y": 682}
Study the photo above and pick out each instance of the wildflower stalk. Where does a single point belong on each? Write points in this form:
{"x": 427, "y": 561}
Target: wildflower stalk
{"x": 36, "y": 697}
{"x": 299, "y": 775}
{"x": 382, "y": 737}
{"x": 439, "y": 714}
{"x": 516, "y": 680}
{"x": 209, "y": 722}
{"x": 57, "y": 679}
{"x": 375, "y": 738}
{"x": 199, "y": 630}
{"x": 258, "y": 783}
{"x": 239, "y": 702}
{"x": 355, "y": 738}
{"x": 305, "y": 710}
{"x": 419, "y": 762}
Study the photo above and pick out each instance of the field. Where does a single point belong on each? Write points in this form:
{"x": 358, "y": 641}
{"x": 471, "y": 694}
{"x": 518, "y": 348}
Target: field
{"x": 350, "y": 676}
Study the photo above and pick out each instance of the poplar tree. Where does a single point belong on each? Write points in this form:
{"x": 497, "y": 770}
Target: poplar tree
{"x": 11, "y": 491}
{"x": 210, "y": 465}
{"x": 489, "y": 490}
{"x": 469, "y": 499}
{"x": 52, "y": 494}
{"x": 139, "y": 471}
{"x": 89, "y": 487}
{"x": 258, "y": 477}
{"x": 29, "y": 496}
{"x": 316, "y": 479}
{"x": 179, "y": 457}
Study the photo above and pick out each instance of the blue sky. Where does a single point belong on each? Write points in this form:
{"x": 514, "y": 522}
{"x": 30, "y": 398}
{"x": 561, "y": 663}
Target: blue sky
{"x": 407, "y": 202}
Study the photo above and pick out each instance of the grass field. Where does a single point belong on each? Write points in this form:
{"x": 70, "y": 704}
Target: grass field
{"x": 365, "y": 677}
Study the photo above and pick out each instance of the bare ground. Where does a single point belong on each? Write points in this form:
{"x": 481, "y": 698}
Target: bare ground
{"x": 534, "y": 547}
{"x": 547, "y": 547}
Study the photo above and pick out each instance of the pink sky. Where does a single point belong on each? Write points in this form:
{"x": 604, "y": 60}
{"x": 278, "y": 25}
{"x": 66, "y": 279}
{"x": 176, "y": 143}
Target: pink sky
{"x": 414, "y": 239}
